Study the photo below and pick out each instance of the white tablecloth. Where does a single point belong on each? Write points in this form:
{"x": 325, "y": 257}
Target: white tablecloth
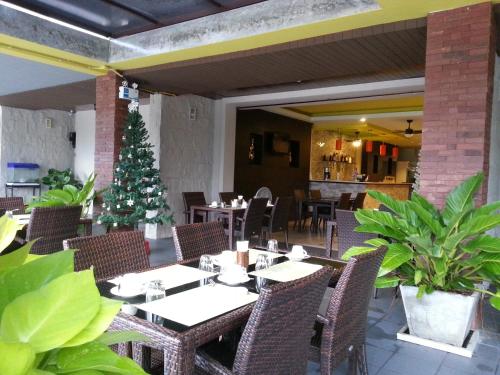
{"x": 199, "y": 304}
{"x": 287, "y": 271}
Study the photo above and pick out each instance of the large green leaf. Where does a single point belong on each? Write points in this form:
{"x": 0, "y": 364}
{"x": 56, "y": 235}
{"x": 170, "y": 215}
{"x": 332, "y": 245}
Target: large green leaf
{"x": 107, "y": 311}
{"x": 48, "y": 317}
{"x": 33, "y": 275}
{"x": 462, "y": 197}
{"x": 495, "y": 301}
{"x": 425, "y": 204}
{"x": 357, "y": 250}
{"x": 367, "y": 216}
{"x": 491, "y": 261}
{"x": 95, "y": 356}
{"x": 427, "y": 218}
{"x": 382, "y": 230}
{"x": 71, "y": 190}
{"x": 396, "y": 255}
{"x": 377, "y": 242}
{"x": 8, "y": 231}
{"x": 398, "y": 207}
{"x": 387, "y": 282}
{"x": 15, "y": 358}
{"x": 480, "y": 224}
{"x": 116, "y": 337}
{"x": 484, "y": 243}
{"x": 16, "y": 258}
{"x": 60, "y": 195}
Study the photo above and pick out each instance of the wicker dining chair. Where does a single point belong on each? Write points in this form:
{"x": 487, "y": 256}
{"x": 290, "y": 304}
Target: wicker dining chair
{"x": 277, "y": 335}
{"x": 358, "y": 201}
{"x": 52, "y": 225}
{"x": 227, "y": 196}
{"x": 194, "y": 198}
{"x": 278, "y": 220}
{"x": 193, "y": 240}
{"x": 344, "y": 201}
{"x": 301, "y": 210}
{"x": 250, "y": 225}
{"x": 15, "y": 204}
{"x": 345, "y": 224}
{"x": 111, "y": 254}
{"x": 341, "y": 328}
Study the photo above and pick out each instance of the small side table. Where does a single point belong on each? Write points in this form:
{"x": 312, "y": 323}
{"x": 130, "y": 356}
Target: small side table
{"x": 22, "y": 185}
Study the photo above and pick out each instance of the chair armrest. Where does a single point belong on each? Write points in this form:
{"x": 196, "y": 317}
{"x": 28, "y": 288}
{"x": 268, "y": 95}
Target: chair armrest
{"x": 210, "y": 365}
{"x": 321, "y": 319}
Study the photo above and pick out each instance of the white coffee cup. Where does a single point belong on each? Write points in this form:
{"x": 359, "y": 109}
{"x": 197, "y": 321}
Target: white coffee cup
{"x": 214, "y": 204}
{"x": 244, "y": 204}
{"x": 233, "y": 272}
{"x": 298, "y": 252}
{"x": 227, "y": 257}
{"x": 242, "y": 245}
{"x": 234, "y": 203}
{"x": 130, "y": 283}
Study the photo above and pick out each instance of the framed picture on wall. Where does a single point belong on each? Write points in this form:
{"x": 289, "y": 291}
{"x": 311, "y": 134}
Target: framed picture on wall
{"x": 255, "y": 148}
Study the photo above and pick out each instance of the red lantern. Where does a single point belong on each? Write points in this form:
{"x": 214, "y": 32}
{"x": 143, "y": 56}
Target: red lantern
{"x": 383, "y": 149}
{"x": 369, "y": 146}
{"x": 395, "y": 152}
{"x": 338, "y": 144}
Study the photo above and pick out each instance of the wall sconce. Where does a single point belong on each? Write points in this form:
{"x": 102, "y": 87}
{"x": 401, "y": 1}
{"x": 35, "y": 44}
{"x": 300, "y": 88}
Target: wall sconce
{"x": 321, "y": 144}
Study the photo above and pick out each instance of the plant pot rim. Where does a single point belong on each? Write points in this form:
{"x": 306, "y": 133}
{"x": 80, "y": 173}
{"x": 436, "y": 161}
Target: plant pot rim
{"x": 468, "y": 294}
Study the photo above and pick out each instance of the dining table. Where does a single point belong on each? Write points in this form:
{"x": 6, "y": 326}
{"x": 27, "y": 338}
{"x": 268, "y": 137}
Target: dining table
{"x": 327, "y": 202}
{"x": 198, "y": 307}
{"x": 230, "y": 212}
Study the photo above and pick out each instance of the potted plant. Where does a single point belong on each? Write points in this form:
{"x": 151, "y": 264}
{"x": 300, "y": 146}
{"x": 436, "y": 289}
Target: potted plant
{"x": 442, "y": 259}
{"x": 52, "y": 319}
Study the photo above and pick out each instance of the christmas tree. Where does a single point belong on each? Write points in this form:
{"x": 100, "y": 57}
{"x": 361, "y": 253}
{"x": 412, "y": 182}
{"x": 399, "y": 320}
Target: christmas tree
{"x": 136, "y": 186}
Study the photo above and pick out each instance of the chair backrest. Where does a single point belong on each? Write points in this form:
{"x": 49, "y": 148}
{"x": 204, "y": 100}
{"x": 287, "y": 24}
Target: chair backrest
{"x": 193, "y": 240}
{"x": 277, "y": 336}
{"x": 52, "y": 225}
{"x": 299, "y": 194}
{"x": 228, "y": 196}
{"x": 12, "y": 203}
{"x": 347, "y": 237}
{"x": 253, "y": 217}
{"x": 110, "y": 254}
{"x": 280, "y": 214}
{"x": 358, "y": 201}
{"x": 193, "y": 198}
{"x": 348, "y": 308}
{"x": 315, "y": 194}
{"x": 344, "y": 201}
{"x": 264, "y": 192}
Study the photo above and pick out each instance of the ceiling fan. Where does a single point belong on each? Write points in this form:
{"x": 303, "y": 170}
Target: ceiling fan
{"x": 409, "y": 132}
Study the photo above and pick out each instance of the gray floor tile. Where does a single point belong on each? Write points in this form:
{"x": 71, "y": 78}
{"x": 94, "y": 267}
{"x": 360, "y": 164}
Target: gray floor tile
{"x": 474, "y": 365}
{"x": 410, "y": 365}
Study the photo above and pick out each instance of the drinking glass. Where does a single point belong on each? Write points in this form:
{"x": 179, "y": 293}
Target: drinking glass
{"x": 272, "y": 246}
{"x": 206, "y": 263}
{"x": 154, "y": 291}
{"x": 262, "y": 262}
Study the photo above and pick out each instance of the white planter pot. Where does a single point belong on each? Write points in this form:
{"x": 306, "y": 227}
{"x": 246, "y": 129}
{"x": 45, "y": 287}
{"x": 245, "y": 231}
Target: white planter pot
{"x": 440, "y": 316}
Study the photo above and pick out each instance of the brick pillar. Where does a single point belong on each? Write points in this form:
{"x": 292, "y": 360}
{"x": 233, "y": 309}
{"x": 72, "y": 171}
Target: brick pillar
{"x": 111, "y": 114}
{"x": 460, "y": 60}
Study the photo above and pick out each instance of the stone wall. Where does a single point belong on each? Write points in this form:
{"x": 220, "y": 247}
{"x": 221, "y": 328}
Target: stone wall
{"x": 25, "y": 138}
{"x": 459, "y": 69}
{"x": 186, "y": 148}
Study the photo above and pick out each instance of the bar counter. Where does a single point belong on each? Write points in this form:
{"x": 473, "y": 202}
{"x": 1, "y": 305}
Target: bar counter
{"x": 333, "y": 188}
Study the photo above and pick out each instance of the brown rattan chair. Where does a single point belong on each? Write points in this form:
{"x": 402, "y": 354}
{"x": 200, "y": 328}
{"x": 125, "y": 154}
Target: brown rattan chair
{"x": 15, "y": 204}
{"x": 52, "y": 225}
{"x": 228, "y": 196}
{"x": 194, "y": 198}
{"x": 358, "y": 201}
{"x": 278, "y": 332}
{"x": 278, "y": 220}
{"x": 341, "y": 327}
{"x": 301, "y": 210}
{"x": 315, "y": 194}
{"x": 111, "y": 254}
{"x": 347, "y": 237}
{"x": 344, "y": 201}
{"x": 250, "y": 225}
{"x": 193, "y": 240}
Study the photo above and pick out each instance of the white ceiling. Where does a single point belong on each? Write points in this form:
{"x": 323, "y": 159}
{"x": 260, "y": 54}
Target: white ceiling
{"x": 18, "y": 75}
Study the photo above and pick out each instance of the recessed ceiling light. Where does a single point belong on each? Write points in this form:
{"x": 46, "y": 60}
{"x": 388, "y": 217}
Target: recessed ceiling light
{"x": 362, "y": 119}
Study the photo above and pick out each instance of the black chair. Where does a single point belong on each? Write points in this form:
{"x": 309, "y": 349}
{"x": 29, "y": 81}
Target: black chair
{"x": 278, "y": 220}
{"x": 344, "y": 201}
{"x": 194, "y": 240}
{"x": 358, "y": 201}
{"x": 302, "y": 212}
{"x": 250, "y": 225}
{"x": 195, "y": 198}
{"x": 228, "y": 196}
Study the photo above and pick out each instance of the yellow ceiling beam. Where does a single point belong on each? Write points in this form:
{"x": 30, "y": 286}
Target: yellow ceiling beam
{"x": 391, "y": 11}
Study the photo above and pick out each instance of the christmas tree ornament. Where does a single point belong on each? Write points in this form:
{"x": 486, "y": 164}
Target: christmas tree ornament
{"x": 115, "y": 224}
{"x": 117, "y": 206}
{"x": 109, "y": 208}
{"x": 99, "y": 222}
{"x": 130, "y": 202}
{"x": 118, "y": 169}
{"x": 130, "y": 156}
{"x": 123, "y": 138}
{"x": 104, "y": 205}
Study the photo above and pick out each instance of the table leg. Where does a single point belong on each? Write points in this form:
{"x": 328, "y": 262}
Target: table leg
{"x": 231, "y": 229}
{"x": 314, "y": 222}
{"x": 191, "y": 217}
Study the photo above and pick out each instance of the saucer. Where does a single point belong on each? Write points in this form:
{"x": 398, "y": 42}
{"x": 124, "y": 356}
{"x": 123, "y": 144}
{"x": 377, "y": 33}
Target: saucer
{"x": 297, "y": 259}
{"x": 126, "y": 294}
{"x": 229, "y": 281}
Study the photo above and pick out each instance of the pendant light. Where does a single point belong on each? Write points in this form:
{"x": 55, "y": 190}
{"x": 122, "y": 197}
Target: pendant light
{"x": 383, "y": 149}
{"x": 395, "y": 152}
{"x": 369, "y": 146}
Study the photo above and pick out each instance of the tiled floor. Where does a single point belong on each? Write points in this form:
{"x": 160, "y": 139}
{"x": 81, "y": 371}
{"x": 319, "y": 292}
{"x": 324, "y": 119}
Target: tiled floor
{"x": 388, "y": 356}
